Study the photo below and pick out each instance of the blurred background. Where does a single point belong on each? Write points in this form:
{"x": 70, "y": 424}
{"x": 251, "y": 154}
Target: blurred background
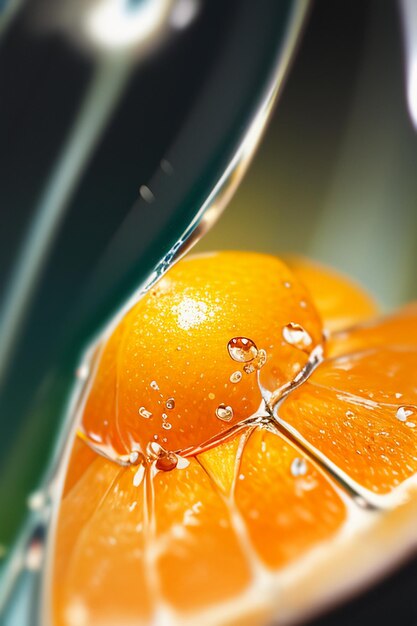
{"x": 335, "y": 176}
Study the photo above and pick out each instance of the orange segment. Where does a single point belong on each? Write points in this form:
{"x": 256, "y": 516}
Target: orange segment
{"x": 100, "y": 573}
{"x": 100, "y": 412}
{"x": 77, "y": 507}
{"x": 398, "y": 329}
{"x": 360, "y": 410}
{"x": 81, "y": 458}
{"x": 194, "y": 533}
{"x": 287, "y": 504}
{"x": 79, "y": 504}
{"x": 111, "y": 564}
{"x": 168, "y": 374}
{"x": 220, "y": 462}
{"x": 338, "y": 299}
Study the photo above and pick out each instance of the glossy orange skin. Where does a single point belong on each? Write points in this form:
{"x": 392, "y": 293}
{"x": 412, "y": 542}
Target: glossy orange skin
{"x": 338, "y": 299}
{"x": 172, "y": 347}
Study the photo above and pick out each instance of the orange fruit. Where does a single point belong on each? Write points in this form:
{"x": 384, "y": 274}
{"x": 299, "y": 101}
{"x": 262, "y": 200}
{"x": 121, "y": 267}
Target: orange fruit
{"x": 167, "y": 375}
{"x": 338, "y": 299}
{"x": 299, "y": 491}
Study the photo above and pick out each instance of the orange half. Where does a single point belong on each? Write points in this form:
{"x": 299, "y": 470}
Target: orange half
{"x": 264, "y": 523}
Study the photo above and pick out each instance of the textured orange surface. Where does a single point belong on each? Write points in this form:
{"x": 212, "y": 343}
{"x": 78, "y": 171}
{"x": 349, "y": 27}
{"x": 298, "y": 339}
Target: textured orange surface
{"x": 173, "y": 345}
{"x": 397, "y": 329}
{"x": 338, "y": 299}
{"x": 133, "y": 543}
{"x": 285, "y": 514}
{"x": 188, "y": 551}
{"x": 360, "y": 410}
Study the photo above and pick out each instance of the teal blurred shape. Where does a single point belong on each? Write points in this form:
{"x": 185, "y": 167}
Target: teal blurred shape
{"x": 78, "y": 239}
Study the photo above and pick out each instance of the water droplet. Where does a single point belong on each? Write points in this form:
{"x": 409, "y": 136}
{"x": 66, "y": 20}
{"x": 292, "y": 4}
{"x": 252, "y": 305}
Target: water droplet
{"x": 134, "y": 457}
{"x": 299, "y": 467}
{"x": 350, "y": 414}
{"x": 410, "y": 424}
{"x": 154, "y": 385}
{"x": 146, "y": 194}
{"x": 83, "y": 371}
{"x": 260, "y": 359}
{"x": 167, "y": 167}
{"x": 138, "y": 477}
{"x": 167, "y": 425}
{"x": 236, "y": 377}
{"x": 404, "y": 412}
{"x": 224, "y": 412}
{"x": 166, "y": 462}
{"x": 153, "y": 450}
{"x": 164, "y": 416}
{"x": 144, "y": 413}
{"x": 303, "y": 304}
{"x": 170, "y": 404}
{"x": 37, "y": 501}
{"x": 164, "y": 459}
{"x": 211, "y": 396}
{"x": 257, "y": 363}
{"x": 287, "y": 284}
{"x": 295, "y": 335}
{"x": 242, "y": 349}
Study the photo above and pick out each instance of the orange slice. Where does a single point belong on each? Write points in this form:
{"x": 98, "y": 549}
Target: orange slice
{"x": 269, "y": 512}
{"x": 360, "y": 411}
{"x": 182, "y": 542}
{"x": 398, "y": 329}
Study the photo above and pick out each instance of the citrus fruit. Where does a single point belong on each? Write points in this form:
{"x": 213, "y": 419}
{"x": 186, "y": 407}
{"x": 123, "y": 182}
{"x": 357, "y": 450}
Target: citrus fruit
{"x": 240, "y": 457}
{"x": 182, "y": 365}
{"x": 337, "y": 298}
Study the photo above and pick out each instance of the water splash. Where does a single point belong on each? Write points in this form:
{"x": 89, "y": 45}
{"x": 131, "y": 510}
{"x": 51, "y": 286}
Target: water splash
{"x": 242, "y": 349}
{"x": 295, "y": 335}
{"x": 224, "y": 412}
